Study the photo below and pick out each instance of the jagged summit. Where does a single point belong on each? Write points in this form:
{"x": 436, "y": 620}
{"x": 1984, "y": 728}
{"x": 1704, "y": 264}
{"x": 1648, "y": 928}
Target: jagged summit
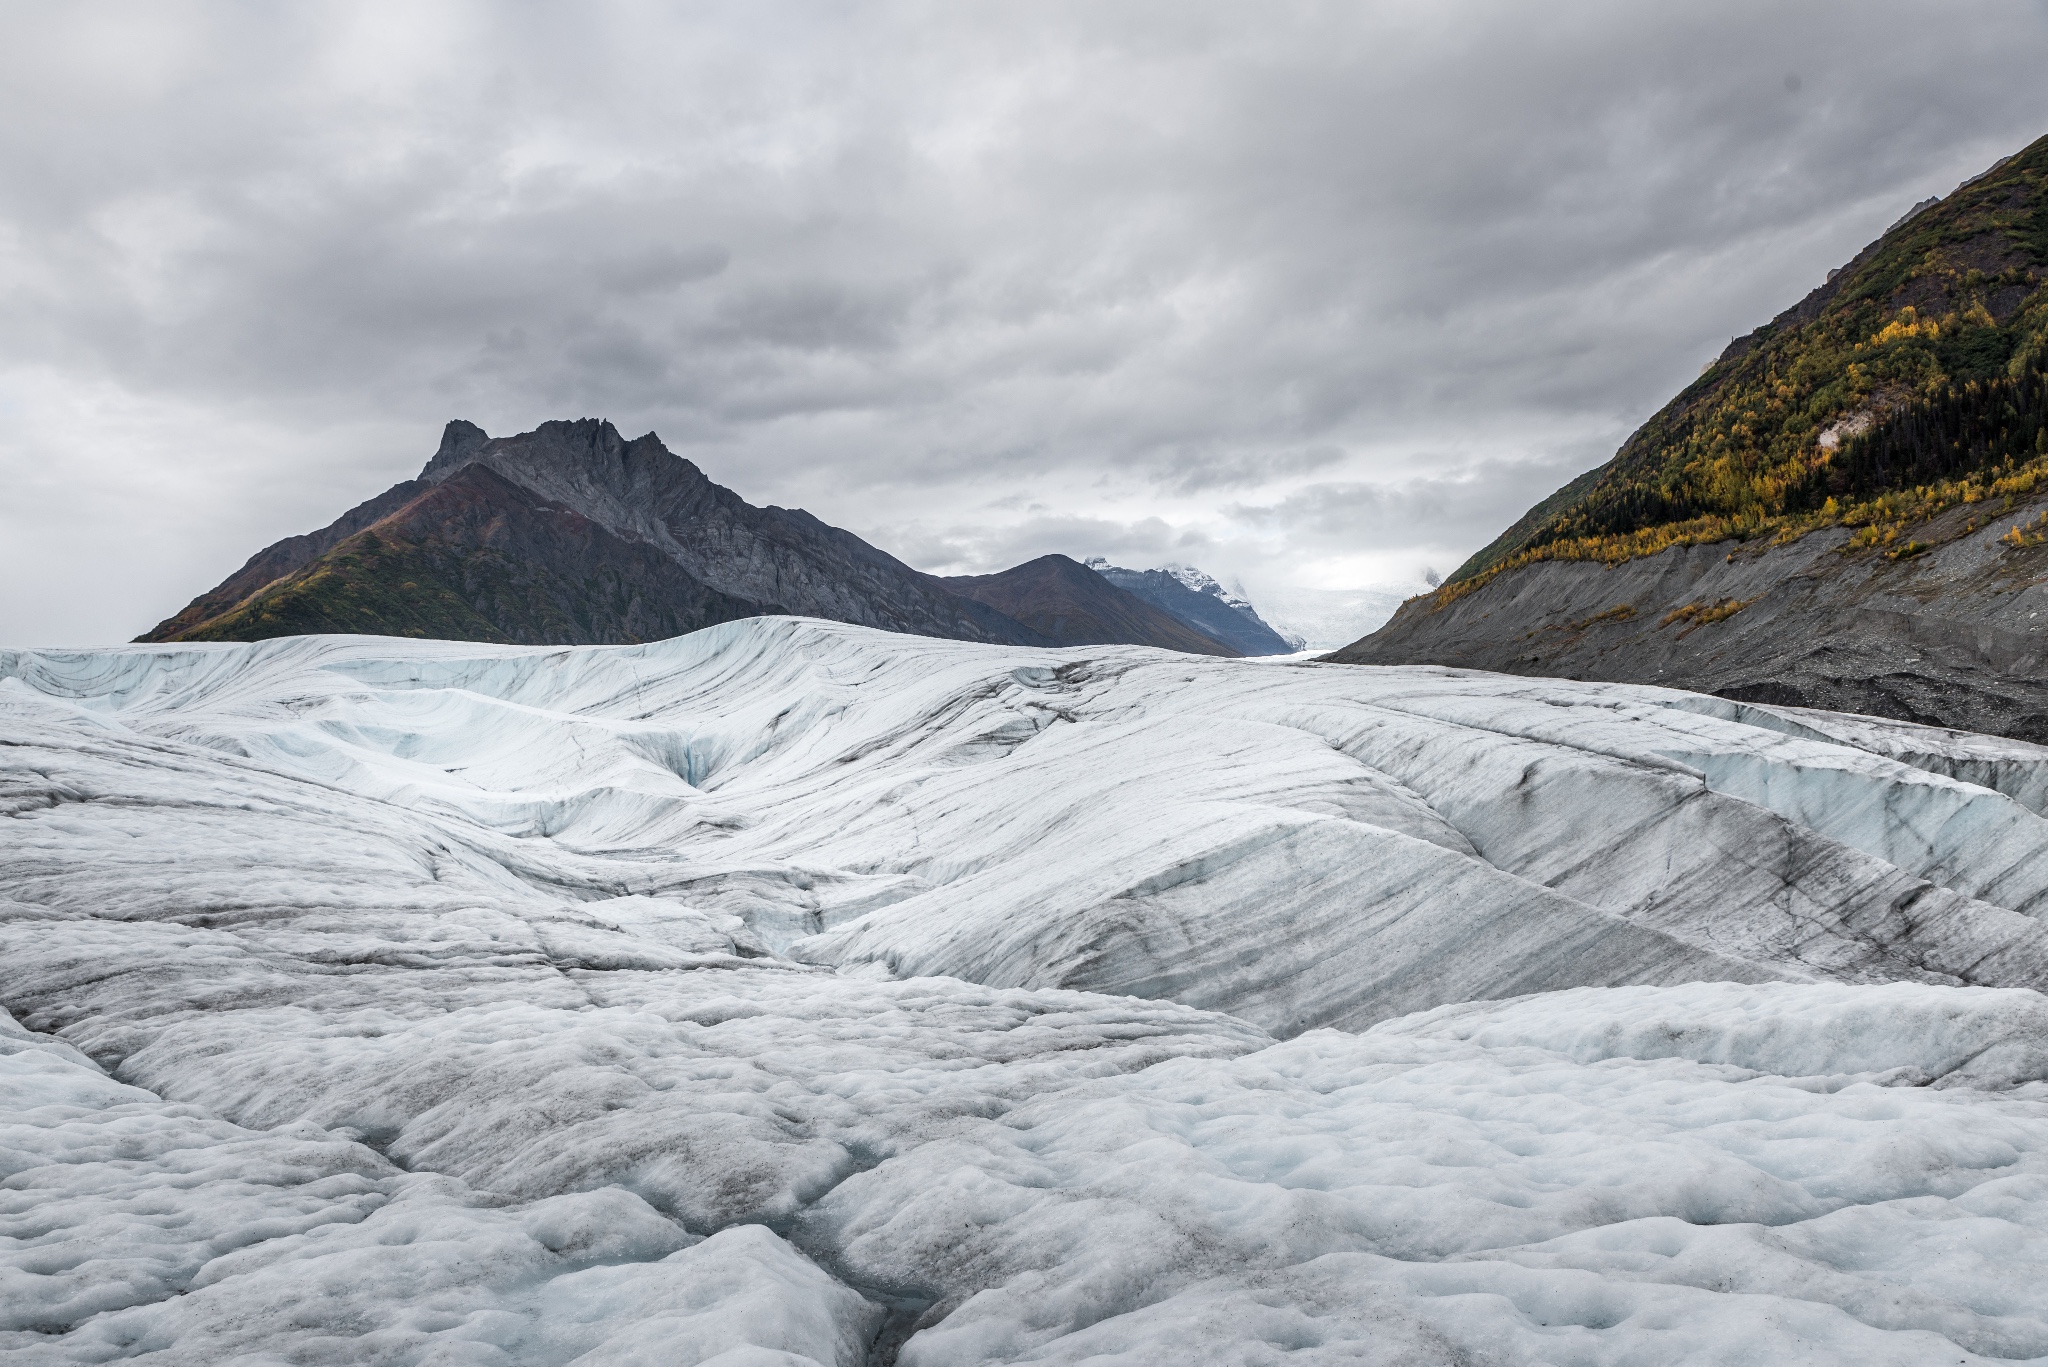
{"x": 633, "y": 487}
{"x": 461, "y": 440}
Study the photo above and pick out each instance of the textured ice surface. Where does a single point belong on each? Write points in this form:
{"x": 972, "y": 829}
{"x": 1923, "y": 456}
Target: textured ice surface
{"x": 1300, "y": 846}
{"x": 132, "y": 1228}
{"x": 796, "y": 993}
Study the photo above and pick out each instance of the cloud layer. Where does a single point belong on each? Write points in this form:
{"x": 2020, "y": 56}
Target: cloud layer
{"x": 1311, "y": 295}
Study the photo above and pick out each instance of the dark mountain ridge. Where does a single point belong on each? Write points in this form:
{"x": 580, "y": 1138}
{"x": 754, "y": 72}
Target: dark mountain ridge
{"x": 473, "y": 557}
{"x": 568, "y": 534}
{"x": 1069, "y": 604}
{"x": 571, "y": 534}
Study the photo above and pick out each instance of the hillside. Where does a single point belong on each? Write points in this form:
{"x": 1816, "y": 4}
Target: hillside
{"x": 1841, "y": 511}
{"x": 474, "y": 558}
{"x": 1069, "y": 604}
{"x": 1919, "y": 370}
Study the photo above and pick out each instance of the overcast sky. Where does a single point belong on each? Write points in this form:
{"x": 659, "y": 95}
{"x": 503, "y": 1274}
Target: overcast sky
{"x": 1307, "y": 295}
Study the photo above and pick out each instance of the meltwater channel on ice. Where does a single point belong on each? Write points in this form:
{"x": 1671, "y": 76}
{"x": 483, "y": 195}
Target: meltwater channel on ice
{"x": 794, "y": 993}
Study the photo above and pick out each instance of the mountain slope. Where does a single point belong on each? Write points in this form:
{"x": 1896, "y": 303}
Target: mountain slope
{"x": 1069, "y": 604}
{"x": 1198, "y": 601}
{"x": 276, "y": 561}
{"x": 1952, "y": 638}
{"x": 570, "y": 534}
{"x": 1919, "y": 361}
{"x": 479, "y": 558}
{"x": 1841, "y": 512}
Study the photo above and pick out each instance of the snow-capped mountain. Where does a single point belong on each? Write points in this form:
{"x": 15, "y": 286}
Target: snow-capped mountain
{"x": 1196, "y": 599}
{"x": 1063, "y": 603}
{"x": 796, "y": 992}
{"x": 1200, "y": 581}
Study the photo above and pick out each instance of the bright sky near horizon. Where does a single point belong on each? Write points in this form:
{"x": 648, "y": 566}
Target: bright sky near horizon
{"x": 1310, "y": 295}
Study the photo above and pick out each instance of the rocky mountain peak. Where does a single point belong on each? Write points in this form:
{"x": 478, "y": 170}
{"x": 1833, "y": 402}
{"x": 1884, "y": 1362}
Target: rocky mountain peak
{"x": 1197, "y": 580}
{"x": 460, "y": 442}
{"x": 588, "y": 467}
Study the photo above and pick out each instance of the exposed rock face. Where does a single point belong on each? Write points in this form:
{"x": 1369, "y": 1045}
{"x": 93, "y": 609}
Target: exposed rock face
{"x": 1071, "y": 605}
{"x": 767, "y": 555}
{"x": 1229, "y": 620}
{"x": 1954, "y": 637}
{"x": 570, "y": 534}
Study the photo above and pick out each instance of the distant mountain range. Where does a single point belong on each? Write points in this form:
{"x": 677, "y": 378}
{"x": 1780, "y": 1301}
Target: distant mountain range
{"x": 1848, "y": 509}
{"x": 1069, "y": 604}
{"x": 1197, "y": 599}
{"x": 572, "y": 535}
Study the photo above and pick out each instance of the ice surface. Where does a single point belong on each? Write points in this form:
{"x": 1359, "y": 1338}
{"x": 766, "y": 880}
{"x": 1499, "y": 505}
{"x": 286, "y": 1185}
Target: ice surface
{"x": 1415, "y": 1191}
{"x": 1301, "y": 846}
{"x": 133, "y": 1229}
{"x": 2019, "y": 769}
{"x": 1963, "y": 1037}
{"x": 792, "y": 993}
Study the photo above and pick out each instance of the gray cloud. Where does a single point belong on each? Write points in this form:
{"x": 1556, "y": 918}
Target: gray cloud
{"x": 1311, "y": 294}
{"x": 1467, "y": 507}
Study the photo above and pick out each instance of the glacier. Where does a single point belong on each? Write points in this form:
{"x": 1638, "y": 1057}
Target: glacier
{"x": 793, "y": 992}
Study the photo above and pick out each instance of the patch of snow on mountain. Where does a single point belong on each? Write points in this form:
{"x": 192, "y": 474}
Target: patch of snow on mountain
{"x": 1200, "y": 581}
{"x": 796, "y": 993}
